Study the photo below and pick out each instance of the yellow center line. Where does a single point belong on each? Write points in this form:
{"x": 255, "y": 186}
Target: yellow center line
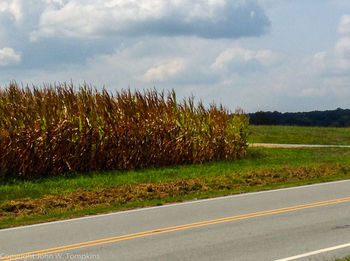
{"x": 169, "y": 229}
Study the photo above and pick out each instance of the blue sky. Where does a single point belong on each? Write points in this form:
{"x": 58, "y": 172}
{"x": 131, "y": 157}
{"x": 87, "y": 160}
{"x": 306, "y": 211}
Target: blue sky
{"x": 252, "y": 54}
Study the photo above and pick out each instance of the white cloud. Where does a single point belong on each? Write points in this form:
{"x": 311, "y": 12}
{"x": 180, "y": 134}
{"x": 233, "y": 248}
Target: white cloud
{"x": 342, "y": 47}
{"x": 165, "y": 70}
{"x": 13, "y": 7}
{"x": 8, "y": 56}
{"x": 241, "y": 55}
{"x": 334, "y": 62}
{"x": 71, "y": 19}
{"x": 344, "y": 25}
{"x": 203, "y": 18}
{"x": 330, "y": 70}
{"x": 60, "y": 2}
{"x": 319, "y": 61}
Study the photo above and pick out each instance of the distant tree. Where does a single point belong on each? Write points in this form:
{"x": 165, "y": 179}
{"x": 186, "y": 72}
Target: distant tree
{"x": 336, "y": 118}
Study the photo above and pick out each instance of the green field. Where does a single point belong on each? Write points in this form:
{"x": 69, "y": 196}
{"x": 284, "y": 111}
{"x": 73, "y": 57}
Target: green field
{"x": 30, "y": 201}
{"x": 299, "y": 135}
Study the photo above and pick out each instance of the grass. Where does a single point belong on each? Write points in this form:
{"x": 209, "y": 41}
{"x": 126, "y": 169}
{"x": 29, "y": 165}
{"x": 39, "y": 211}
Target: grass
{"x": 261, "y": 169}
{"x": 257, "y": 158}
{"x": 299, "y": 135}
{"x": 343, "y": 259}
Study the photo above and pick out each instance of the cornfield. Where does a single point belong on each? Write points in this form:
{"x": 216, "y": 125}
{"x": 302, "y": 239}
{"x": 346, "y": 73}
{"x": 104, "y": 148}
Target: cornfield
{"x": 58, "y": 129}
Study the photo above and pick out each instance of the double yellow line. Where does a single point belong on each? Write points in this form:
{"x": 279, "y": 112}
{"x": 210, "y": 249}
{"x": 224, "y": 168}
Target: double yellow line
{"x": 169, "y": 229}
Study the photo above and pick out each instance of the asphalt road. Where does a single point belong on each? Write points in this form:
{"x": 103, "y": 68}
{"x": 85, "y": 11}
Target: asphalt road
{"x": 284, "y": 224}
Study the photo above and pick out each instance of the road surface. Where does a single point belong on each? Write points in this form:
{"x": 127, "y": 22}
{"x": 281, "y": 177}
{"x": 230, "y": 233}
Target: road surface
{"x": 303, "y": 223}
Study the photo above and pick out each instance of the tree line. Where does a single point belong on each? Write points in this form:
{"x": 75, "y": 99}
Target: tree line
{"x": 332, "y": 118}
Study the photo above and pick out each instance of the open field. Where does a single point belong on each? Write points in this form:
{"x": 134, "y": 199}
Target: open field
{"x": 24, "y": 202}
{"x": 299, "y": 135}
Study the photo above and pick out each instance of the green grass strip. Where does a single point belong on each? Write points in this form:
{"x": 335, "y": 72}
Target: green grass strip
{"x": 299, "y": 135}
{"x": 257, "y": 159}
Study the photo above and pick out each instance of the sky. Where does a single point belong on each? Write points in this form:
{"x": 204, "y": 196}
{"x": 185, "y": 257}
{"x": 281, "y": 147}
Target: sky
{"x": 284, "y": 55}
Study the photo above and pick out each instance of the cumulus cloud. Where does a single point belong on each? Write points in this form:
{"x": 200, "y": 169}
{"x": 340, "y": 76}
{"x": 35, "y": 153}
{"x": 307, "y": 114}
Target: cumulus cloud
{"x": 344, "y": 25}
{"x": 319, "y": 61}
{"x": 8, "y": 56}
{"x": 202, "y": 18}
{"x": 241, "y": 55}
{"x": 342, "y": 47}
{"x": 60, "y": 2}
{"x": 336, "y": 61}
{"x": 12, "y": 7}
{"x": 165, "y": 70}
{"x": 330, "y": 69}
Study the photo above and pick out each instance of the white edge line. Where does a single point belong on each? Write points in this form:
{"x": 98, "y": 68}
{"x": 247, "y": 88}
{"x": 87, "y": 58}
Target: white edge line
{"x": 314, "y": 252}
{"x": 195, "y": 201}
